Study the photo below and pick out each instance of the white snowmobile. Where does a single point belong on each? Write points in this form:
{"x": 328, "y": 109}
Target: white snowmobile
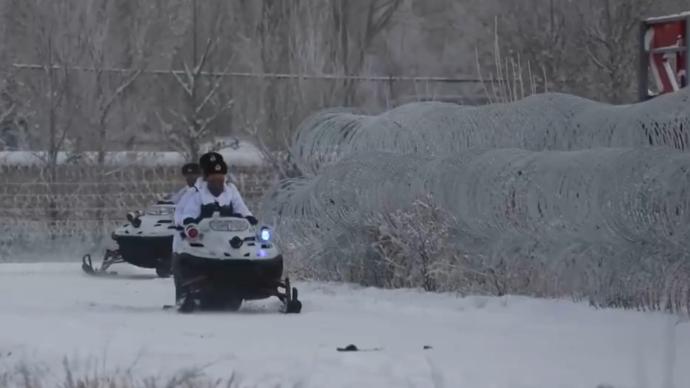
{"x": 146, "y": 241}
{"x": 224, "y": 260}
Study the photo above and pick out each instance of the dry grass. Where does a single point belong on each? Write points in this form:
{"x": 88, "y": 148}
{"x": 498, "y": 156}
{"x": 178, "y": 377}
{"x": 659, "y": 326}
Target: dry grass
{"x": 27, "y": 375}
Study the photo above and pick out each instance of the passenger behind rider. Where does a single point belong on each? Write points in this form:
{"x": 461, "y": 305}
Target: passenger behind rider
{"x": 205, "y": 159}
{"x": 192, "y": 176}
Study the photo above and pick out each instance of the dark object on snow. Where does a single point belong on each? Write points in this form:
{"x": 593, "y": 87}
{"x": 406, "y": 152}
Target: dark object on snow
{"x": 354, "y": 348}
{"x": 427, "y": 347}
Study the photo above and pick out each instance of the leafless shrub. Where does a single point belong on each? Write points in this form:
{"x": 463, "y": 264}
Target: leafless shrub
{"x": 413, "y": 244}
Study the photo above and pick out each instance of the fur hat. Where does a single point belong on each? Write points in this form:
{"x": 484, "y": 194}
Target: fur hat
{"x": 191, "y": 168}
{"x": 209, "y": 157}
{"x": 217, "y": 167}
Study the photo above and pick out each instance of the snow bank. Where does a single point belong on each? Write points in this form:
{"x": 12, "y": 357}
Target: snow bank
{"x": 246, "y": 154}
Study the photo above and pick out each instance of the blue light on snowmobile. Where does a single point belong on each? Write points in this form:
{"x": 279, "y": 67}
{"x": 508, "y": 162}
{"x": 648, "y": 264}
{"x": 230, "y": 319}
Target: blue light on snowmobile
{"x": 265, "y": 234}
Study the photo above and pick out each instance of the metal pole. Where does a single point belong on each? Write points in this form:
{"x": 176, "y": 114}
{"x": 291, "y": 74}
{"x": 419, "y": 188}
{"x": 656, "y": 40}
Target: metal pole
{"x": 194, "y": 48}
{"x": 551, "y": 17}
{"x": 687, "y": 52}
{"x": 194, "y": 32}
{"x": 643, "y": 69}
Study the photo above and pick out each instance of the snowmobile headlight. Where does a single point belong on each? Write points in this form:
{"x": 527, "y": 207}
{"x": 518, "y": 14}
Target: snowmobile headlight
{"x": 265, "y": 234}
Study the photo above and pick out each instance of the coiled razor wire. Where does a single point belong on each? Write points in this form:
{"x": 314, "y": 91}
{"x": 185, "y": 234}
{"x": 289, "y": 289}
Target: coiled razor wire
{"x": 596, "y": 220}
{"x": 595, "y": 196}
{"x": 616, "y": 195}
{"x": 540, "y": 122}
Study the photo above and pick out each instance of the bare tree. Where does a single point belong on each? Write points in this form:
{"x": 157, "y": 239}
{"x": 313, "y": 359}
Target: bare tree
{"x": 50, "y": 98}
{"x": 204, "y": 101}
{"x": 8, "y": 115}
{"x": 608, "y": 32}
{"x": 584, "y": 47}
{"x": 355, "y": 29}
{"x": 105, "y": 89}
{"x": 50, "y": 101}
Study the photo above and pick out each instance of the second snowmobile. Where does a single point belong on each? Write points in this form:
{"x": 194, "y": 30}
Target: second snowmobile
{"x": 145, "y": 241}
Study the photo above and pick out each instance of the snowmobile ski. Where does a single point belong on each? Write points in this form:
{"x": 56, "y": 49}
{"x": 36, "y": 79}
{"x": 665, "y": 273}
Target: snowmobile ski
{"x": 111, "y": 257}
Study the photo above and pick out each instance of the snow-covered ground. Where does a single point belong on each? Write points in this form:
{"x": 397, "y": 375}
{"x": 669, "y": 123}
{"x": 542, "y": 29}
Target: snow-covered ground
{"x": 49, "y": 311}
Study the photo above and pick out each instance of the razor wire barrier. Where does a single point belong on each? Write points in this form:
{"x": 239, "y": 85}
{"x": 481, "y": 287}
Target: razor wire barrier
{"x": 540, "y": 122}
{"x": 615, "y": 195}
{"x": 553, "y": 195}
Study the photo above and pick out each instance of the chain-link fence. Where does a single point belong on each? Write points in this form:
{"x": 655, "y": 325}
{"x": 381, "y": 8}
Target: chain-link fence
{"x": 67, "y": 207}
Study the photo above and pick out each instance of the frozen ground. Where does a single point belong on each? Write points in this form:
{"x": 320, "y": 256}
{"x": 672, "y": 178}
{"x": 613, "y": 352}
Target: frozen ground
{"x": 48, "y": 311}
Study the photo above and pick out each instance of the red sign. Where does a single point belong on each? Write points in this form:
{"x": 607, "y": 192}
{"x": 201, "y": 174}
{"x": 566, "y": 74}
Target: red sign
{"x": 665, "y": 51}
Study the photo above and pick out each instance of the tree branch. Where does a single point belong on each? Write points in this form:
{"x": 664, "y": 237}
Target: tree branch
{"x": 210, "y": 44}
{"x": 171, "y": 136}
{"x": 186, "y": 87}
{"x": 8, "y": 112}
{"x": 204, "y": 123}
{"x": 216, "y": 85}
{"x": 120, "y": 89}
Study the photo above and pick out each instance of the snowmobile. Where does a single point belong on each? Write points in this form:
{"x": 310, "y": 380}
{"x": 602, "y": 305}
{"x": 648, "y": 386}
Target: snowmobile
{"x": 145, "y": 241}
{"x": 224, "y": 260}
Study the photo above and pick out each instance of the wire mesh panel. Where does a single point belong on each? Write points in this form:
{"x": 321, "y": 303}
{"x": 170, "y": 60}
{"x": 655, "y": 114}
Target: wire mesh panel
{"x": 69, "y": 205}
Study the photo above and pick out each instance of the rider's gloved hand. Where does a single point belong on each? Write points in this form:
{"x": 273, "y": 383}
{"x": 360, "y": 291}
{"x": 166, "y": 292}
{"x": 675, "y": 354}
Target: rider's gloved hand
{"x": 252, "y": 220}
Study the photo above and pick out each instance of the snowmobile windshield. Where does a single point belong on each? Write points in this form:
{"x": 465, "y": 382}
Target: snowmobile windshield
{"x": 160, "y": 210}
{"x": 229, "y": 225}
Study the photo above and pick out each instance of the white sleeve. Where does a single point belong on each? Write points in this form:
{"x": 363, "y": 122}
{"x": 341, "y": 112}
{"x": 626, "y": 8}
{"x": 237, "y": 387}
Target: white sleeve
{"x": 177, "y": 196}
{"x": 179, "y": 207}
{"x": 191, "y": 208}
{"x": 238, "y": 205}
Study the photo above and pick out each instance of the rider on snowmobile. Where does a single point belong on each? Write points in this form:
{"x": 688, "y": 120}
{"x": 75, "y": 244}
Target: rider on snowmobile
{"x": 205, "y": 159}
{"x": 216, "y": 194}
{"x": 191, "y": 173}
